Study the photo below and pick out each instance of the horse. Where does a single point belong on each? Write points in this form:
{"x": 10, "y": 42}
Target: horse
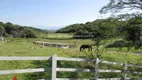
{"x": 82, "y": 47}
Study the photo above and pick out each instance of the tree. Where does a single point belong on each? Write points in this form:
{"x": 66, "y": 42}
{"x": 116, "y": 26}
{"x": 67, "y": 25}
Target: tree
{"x": 98, "y": 52}
{"x": 2, "y": 31}
{"x": 70, "y": 28}
{"x": 119, "y": 5}
{"x": 102, "y": 27}
{"x": 133, "y": 26}
{"x": 133, "y": 29}
{"x": 14, "y": 31}
{"x": 28, "y": 34}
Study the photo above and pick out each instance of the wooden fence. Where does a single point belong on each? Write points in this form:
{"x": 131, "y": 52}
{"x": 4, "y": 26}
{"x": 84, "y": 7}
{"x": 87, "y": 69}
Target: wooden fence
{"x": 54, "y": 69}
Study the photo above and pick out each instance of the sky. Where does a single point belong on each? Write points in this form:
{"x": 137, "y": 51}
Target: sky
{"x": 50, "y": 14}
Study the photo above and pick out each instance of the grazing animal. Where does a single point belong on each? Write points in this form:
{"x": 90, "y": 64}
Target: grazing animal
{"x": 82, "y": 47}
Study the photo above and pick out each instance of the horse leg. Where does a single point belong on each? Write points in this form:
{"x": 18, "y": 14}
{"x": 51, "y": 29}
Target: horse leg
{"x": 89, "y": 49}
{"x": 80, "y": 49}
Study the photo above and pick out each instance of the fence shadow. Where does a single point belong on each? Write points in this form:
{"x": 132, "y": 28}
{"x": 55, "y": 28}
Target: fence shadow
{"x": 39, "y": 75}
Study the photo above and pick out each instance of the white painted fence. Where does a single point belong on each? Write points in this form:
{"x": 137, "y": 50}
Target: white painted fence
{"x": 54, "y": 68}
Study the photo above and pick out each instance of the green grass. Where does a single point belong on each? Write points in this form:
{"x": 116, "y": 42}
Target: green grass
{"x": 25, "y": 47}
{"x": 56, "y": 35}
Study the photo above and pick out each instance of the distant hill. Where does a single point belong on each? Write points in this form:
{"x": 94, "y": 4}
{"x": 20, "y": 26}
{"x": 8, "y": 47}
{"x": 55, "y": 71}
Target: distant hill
{"x": 129, "y": 29}
{"x": 14, "y": 30}
{"x": 103, "y": 27}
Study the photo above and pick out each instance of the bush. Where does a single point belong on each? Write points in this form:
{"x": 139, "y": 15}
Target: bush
{"x": 28, "y": 34}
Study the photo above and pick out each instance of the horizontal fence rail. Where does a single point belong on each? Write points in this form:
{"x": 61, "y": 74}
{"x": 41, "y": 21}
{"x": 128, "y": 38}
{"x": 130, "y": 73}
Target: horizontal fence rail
{"x": 108, "y": 62}
{"x": 54, "y": 69}
{"x": 84, "y": 79}
{"x": 85, "y": 70}
{"x": 25, "y": 70}
{"x": 23, "y": 58}
{"x": 134, "y": 72}
{"x": 75, "y": 70}
{"x": 75, "y": 59}
{"x": 121, "y": 64}
{"x": 132, "y": 65}
{"x": 66, "y": 79}
{"x": 111, "y": 71}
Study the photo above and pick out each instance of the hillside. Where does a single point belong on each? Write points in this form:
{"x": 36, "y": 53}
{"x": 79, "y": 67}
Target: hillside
{"x": 8, "y": 29}
{"x": 104, "y": 27}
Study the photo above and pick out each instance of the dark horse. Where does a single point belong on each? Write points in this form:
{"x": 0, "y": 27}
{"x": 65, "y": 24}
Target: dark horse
{"x": 82, "y": 47}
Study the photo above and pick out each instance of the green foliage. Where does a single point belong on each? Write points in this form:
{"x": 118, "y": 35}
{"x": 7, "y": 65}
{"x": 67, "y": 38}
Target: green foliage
{"x": 133, "y": 21}
{"x": 103, "y": 28}
{"x": 2, "y": 30}
{"x": 119, "y": 5}
{"x": 28, "y": 34}
{"x": 71, "y": 28}
{"x": 133, "y": 29}
{"x": 9, "y": 29}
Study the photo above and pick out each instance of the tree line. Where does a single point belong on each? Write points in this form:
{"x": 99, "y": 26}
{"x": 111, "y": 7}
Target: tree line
{"x": 130, "y": 29}
{"x": 98, "y": 27}
{"x": 13, "y": 30}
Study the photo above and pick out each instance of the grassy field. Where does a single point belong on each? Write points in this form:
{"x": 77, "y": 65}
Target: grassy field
{"x": 56, "y": 35}
{"x": 25, "y": 47}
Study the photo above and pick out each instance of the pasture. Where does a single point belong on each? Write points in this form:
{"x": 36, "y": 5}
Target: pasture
{"x": 56, "y": 36}
{"x": 25, "y": 47}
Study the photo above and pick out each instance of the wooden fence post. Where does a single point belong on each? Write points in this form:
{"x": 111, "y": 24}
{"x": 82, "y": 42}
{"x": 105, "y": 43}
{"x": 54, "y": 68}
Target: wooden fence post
{"x": 54, "y": 65}
{"x": 96, "y": 68}
{"x": 124, "y": 71}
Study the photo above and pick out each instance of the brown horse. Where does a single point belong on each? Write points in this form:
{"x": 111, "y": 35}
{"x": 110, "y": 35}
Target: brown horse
{"x": 82, "y": 47}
